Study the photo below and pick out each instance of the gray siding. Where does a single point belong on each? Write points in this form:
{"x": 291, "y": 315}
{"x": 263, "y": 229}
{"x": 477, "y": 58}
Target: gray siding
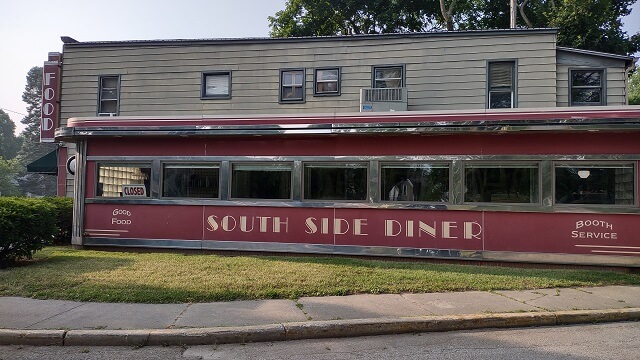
{"x": 615, "y": 76}
{"x": 442, "y": 72}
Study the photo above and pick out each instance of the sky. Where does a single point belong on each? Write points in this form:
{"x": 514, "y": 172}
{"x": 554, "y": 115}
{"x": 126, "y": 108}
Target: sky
{"x": 30, "y": 29}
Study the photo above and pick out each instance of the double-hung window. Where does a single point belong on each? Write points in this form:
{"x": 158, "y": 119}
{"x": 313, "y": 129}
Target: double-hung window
{"x": 327, "y": 81}
{"x": 388, "y": 76}
{"x": 586, "y": 87}
{"x": 292, "y": 85}
{"x": 216, "y": 85}
{"x": 108, "y": 95}
{"x": 501, "y": 85}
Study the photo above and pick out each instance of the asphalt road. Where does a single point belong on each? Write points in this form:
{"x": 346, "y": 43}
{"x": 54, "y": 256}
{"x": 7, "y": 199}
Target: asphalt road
{"x": 600, "y": 341}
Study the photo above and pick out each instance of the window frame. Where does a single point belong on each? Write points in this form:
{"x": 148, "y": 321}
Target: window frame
{"x": 203, "y": 85}
{"x": 258, "y": 163}
{"x": 163, "y": 164}
{"x": 344, "y": 165}
{"x": 602, "y": 87}
{"x": 382, "y": 192}
{"x": 514, "y": 83}
{"x": 139, "y": 164}
{"x": 281, "y": 87}
{"x": 595, "y": 163}
{"x": 402, "y": 75}
{"x": 503, "y": 164}
{"x": 99, "y": 107}
{"x": 338, "y": 91}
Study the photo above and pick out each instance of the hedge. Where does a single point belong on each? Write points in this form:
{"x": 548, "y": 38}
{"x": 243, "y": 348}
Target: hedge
{"x": 28, "y": 224}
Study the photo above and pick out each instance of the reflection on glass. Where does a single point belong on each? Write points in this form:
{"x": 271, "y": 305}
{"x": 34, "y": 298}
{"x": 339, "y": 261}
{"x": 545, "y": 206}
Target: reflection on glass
{"x": 388, "y": 77}
{"x": 190, "y": 180}
{"x": 501, "y": 183}
{"x": 261, "y": 181}
{"x": 331, "y": 181}
{"x": 111, "y": 177}
{"x": 415, "y": 182}
{"x": 594, "y": 184}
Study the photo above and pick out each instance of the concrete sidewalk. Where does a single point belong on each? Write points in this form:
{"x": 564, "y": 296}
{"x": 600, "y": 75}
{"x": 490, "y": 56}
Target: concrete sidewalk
{"x": 54, "y": 322}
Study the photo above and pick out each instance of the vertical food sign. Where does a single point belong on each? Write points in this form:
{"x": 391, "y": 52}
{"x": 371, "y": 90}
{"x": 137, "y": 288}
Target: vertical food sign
{"x": 50, "y": 97}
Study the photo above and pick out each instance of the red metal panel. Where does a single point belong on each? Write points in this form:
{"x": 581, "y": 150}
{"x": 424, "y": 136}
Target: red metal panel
{"x": 610, "y": 234}
{"x": 143, "y": 222}
{"x": 563, "y": 233}
{"x": 469, "y": 144}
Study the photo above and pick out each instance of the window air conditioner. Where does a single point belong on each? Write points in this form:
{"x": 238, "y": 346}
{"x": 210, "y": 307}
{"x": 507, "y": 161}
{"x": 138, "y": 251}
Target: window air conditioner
{"x": 383, "y": 99}
{"x": 106, "y": 114}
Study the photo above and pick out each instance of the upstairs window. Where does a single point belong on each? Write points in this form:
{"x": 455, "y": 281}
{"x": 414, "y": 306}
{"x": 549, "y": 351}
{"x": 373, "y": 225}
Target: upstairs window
{"x": 388, "y": 76}
{"x": 501, "y": 89}
{"x": 108, "y": 95}
{"x": 216, "y": 85}
{"x": 586, "y": 87}
{"x": 327, "y": 81}
{"x": 292, "y": 85}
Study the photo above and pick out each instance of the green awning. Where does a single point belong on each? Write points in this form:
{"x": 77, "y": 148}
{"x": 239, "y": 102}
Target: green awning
{"x": 48, "y": 164}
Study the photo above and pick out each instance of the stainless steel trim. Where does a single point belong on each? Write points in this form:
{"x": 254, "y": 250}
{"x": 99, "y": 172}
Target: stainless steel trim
{"x": 385, "y": 158}
{"x": 374, "y": 181}
{"x": 156, "y": 169}
{"x": 225, "y": 175}
{"x": 328, "y": 249}
{"x": 296, "y": 186}
{"x": 79, "y": 199}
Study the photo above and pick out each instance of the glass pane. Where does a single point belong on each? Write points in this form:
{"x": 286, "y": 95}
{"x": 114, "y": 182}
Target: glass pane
{"x": 335, "y": 181}
{"x": 112, "y": 177}
{"x": 388, "y": 73}
{"x": 217, "y": 85}
{"x": 326, "y": 87}
{"x": 108, "y": 106}
{"x": 595, "y": 184}
{"x": 327, "y": 75}
{"x": 415, "y": 182}
{"x": 291, "y": 93}
{"x": 261, "y": 181}
{"x": 587, "y": 96}
{"x": 501, "y": 74}
{"x": 190, "y": 181}
{"x": 290, "y": 78}
{"x": 586, "y": 78}
{"x": 388, "y": 83}
{"x": 505, "y": 184}
{"x": 109, "y": 94}
{"x": 109, "y": 82}
{"x": 500, "y": 100}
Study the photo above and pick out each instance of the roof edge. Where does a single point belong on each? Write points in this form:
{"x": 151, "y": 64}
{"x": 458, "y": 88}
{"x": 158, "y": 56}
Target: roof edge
{"x": 170, "y": 42}
{"x": 627, "y": 58}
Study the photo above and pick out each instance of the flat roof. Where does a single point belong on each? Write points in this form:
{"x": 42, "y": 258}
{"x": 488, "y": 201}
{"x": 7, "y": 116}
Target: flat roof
{"x": 72, "y": 43}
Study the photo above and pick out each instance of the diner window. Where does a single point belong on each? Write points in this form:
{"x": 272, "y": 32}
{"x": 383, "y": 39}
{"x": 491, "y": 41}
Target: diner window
{"x": 586, "y": 87}
{"x": 261, "y": 181}
{"x": 190, "y": 181}
{"x": 120, "y": 180}
{"x": 415, "y": 182}
{"x": 327, "y": 81}
{"x": 335, "y": 181}
{"x": 595, "y": 184}
{"x": 108, "y": 95}
{"x": 216, "y": 85}
{"x": 501, "y": 85}
{"x": 388, "y": 76}
{"x": 292, "y": 85}
{"x": 495, "y": 183}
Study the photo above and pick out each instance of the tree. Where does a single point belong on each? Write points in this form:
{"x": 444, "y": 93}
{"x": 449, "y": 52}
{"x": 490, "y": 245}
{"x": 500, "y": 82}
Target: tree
{"x": 585, "y": 24}
{"x": 634, "y": 88}
{"x": 9, "y": 143}
{"x": 32, "y": 148}
{"x": 8, "y": 173}
{"x": 350, "y": 17}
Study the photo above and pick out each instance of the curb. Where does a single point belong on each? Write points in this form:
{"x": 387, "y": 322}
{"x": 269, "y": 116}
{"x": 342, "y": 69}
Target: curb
{"x": 310, "y": 330}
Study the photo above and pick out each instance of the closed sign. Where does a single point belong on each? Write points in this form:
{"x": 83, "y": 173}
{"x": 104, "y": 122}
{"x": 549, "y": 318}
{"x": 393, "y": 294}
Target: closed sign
{"x": 135, "y": 190}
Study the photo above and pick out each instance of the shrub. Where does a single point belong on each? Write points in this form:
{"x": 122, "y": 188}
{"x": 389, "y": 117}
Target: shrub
{"x": 26, "y": 226}
{"x": 64, "y": 219}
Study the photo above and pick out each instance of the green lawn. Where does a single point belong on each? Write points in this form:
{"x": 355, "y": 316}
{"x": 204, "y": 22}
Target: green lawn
{"x": 83, "y": 275}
